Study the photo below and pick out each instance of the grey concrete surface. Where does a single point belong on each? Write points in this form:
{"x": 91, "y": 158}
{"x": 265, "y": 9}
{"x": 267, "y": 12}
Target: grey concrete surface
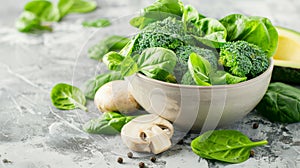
{"x": 33, "y": 134}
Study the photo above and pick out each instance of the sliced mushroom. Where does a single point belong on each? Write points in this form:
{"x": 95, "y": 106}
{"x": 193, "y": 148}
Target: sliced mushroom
{"x": 148, "y": 133}
{"x": 114, "y": 96}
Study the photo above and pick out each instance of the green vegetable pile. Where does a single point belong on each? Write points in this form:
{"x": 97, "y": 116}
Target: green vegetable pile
{"x": 39, "y": 14}
{"x": 177, "y": 44}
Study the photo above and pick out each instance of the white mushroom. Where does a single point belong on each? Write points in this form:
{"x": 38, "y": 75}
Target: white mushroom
{"x": 114, "y": 96}
{"x": 148, "y": 133}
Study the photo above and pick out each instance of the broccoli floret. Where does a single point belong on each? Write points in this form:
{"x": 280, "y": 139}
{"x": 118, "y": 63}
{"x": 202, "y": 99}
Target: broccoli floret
{"x": 187, "y": 79}
{"x": 183, "y": 53}
{"x": 167, "y": 33}
{"x": 243, "y": 59}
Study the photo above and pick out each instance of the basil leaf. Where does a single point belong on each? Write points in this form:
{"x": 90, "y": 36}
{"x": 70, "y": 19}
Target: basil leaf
{"x": 93, "y": 84}
{"x": 200, "y": 69}
{"x": 281, "y": 103}
{"x": 159, "y": 10}
{"x": 250, "y": 29}
{"x": 83, "y": 6}
{"x": 224, "y": 145}
{"x": 45, "y": 10}
{"x": 110, "y": 123}
{"x": 97, "y": 23}
{"x": 111, "y": 43}
{"x": 67, "y": 97}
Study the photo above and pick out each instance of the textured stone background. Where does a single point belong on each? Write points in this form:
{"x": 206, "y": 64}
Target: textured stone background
{"x": 33, "y": 134}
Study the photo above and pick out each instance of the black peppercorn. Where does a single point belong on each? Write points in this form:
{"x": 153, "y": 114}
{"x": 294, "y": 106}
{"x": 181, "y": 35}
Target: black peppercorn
{"x": 141, "y": 165}
{"x": 255, "y": 126}
{"x": 120, "y": 160}
{"x": 129, "y": 155}
{"x": 153, "y": 159}
{"x": 251, "y": 153}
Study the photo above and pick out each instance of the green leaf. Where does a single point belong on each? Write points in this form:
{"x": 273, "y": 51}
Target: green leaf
{"x": 281, "y": 103}
{"x": 93, "y": 84}
{"x": 111, "y": 43}
{"x": 190, "y": 14}
{"x": 200, "y": 69}
{"x": 224, "y": 145}
{"x": 127, "y": 49}
{"x": 29, "y": 22}
{"x": 250, "y": 29}
{"x": 159, "y": 10}
{"x": 83, "y": 6}
{"x": 97, "y": 23}
{"x": 44, "y": 10}
{"x": 113, "y": 60}
{"x": 157, "y": 58}
{"x": 67, "y": 97}
{"x": 210, "y": 32}
{"x": 222, "y": 77}
{"x": 129, "y": 66}
{"x": 64, "y": 6}
{"x": 157, "y": 63}
{"x": 110, "y": 123}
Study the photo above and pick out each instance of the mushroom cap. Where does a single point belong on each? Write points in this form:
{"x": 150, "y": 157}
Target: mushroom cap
{"x": 148, "y": 133}
{"x": 115, "y": 96}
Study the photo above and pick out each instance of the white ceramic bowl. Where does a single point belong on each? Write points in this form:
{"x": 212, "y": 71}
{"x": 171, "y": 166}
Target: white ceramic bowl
{"x": 199, "y": 107}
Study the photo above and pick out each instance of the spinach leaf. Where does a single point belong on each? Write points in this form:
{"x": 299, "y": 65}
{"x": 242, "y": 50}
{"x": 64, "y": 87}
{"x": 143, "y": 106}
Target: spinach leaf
{"x": 113, "y": 60}
{"x": 157, "y": 63}
{"x": 222, "y": 77}
{"x": 210, "y": 32}
{"x": 64, "y": 6}
{"x": 29, "y": 22}
{"x": 281, "y": 103}
{"x": 224, "y": 145}
{"x": 159, "y": 10}
{"x": 38, "y": 14}
{"x": 128, "y": 48}
{"x": 97, "y": 23}
{"x": 129, "y": 66}
{"x": 110, "y": 123}
{"x": 67, "y": 97}
{"x": 189, "y": 17}
{"x": 44, "y": 10}
{"x": 92, "y": 85}
{"x": 190, "y": 14}
{"x": 111, "y": 43}
{"x": 250, "y": 29}
{"x": 200, "y": 69}
{"x": 83, "y": 6}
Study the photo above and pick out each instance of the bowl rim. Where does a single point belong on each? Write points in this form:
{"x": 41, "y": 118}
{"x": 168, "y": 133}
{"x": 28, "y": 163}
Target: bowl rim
{"x": 175, "y": 85}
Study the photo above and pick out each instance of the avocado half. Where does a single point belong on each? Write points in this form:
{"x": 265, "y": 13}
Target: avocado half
{"x": 287, "y": 57}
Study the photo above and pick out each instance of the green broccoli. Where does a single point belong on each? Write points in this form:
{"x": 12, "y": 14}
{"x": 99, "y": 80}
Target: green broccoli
{"x": 183, "y": 53}
{"x": 167, "y": 33}
{"x": 243, "y": 59}
{"x": 187, "y": 79}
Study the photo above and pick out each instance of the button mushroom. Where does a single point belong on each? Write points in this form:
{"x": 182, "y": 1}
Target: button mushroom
{"x": 114, "y": 96}
{"x": 148, "y": 133}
